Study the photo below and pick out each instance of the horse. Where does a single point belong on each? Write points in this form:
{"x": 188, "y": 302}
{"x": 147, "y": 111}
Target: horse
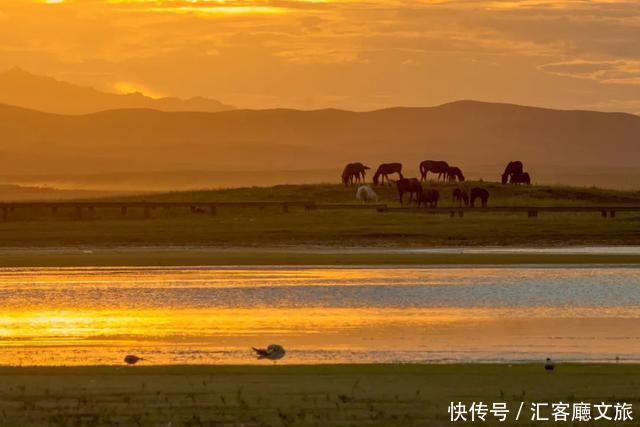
{"x": 366, "y": 194}
{"x": 461, "y": 196}
{"x": 411, "y": 186}
{"x": 385, "y": 170}
{"x": 353, "y": 172}
{"x": 520, "y": 178}
{"x": 435, "y": 166}
{"x": 512, "y": 168}
{"x": 479, "y": 193}
{"x": 430, "y": 198}
{"x": 453, "y": 173}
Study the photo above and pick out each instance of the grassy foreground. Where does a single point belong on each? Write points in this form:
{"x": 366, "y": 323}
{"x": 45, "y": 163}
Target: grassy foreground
{"x": 341, "y": 228}
{"x": 321, "y": 395}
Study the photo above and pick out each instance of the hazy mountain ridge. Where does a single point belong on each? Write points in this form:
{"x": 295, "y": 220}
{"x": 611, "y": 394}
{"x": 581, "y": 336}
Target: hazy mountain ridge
{"x": 21, "y": 88}
{"x": 467, "y": 133}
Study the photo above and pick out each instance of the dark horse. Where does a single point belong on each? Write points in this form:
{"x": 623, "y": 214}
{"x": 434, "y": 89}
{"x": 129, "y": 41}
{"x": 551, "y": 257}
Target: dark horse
{"x": 385, "y": 170}
{"x": 512, "y": 168}
{"x": 435, "y": 166}
{"x": 430, "y": 198}
{"x": 520, "y": 178}
{"x": 411, "y": 186}
{"x": 461, "y": 196}
{"x": 353, "y": 172}
{"x": 454, "y": 173}
{"x": 479, "y": 193}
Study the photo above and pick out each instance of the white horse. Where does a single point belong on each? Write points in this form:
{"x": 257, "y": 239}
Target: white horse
{"x": 366, "y": 194}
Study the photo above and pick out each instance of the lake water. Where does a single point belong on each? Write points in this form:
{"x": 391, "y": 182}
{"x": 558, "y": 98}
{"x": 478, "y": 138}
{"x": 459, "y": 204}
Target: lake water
{"x": 71, "y": 316}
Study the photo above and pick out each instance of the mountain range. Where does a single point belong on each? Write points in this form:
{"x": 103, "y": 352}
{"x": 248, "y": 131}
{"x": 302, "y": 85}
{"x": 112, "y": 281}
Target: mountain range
{"x": 21, "y": 88}
{"x": 470, "y": 134}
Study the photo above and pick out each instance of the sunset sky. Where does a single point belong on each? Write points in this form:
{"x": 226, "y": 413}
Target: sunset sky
{"x": 355, "y": 54}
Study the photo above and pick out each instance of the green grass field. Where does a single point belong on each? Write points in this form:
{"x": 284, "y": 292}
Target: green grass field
{"x": 329, "y": 395}
{"x": 343, "y": 228}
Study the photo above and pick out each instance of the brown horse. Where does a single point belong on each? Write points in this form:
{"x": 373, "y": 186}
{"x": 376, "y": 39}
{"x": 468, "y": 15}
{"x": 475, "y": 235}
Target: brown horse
{"x": 353, "y": 172}
{"x": 430, "y": 198}
{"x": 434, "y": 166}
{"x": 520, "y": 178}
{"x": 513, "y": 167}
{"x": 461, "y": 196}
{"x": 454, "y": 173}
{"x": 479, "y": 193}
{"x": 411, "y": 186}
{"x": 385, "y": 170}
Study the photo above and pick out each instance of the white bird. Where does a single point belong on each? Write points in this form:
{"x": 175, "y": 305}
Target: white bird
{"x": 366, "y": 194}
{"x": 272, "y": 352}
{"x": 549, "y": 365}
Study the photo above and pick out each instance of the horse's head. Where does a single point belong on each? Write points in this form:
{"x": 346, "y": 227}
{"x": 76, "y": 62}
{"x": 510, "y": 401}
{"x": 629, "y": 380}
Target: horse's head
{"x": 505, "y": 178}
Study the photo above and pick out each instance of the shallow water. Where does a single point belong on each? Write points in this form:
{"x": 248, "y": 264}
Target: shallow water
{"x": 69, "y": 316}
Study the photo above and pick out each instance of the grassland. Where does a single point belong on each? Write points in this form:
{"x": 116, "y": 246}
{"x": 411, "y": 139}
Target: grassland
{"x": 271, "y": 227}
{"x": 329, "y": 395}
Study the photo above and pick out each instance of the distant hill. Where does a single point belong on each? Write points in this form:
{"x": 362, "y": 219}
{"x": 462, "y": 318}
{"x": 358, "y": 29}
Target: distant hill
{"x": 21, "y": 88}
{"x": 472, "y": 135}
{"x": 17, "y": 193}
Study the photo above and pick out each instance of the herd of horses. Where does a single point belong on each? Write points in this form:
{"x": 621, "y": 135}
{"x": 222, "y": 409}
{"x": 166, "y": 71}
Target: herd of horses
{"x": 356, "y": 173}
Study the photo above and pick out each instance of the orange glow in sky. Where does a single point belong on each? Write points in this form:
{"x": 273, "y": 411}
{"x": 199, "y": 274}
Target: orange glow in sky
{"x": 353, "y": 54}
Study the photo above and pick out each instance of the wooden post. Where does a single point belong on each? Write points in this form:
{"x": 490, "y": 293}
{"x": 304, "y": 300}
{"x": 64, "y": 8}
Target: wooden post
{"x": 123, "y": 210}
{"x": 213, "y": 210}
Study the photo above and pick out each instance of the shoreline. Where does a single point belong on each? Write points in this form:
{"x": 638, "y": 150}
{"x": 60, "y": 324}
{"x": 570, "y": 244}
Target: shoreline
{"x": 296, "y": 256}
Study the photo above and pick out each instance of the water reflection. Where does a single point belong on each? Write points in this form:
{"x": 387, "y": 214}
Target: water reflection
{"x": 203, "y": 315}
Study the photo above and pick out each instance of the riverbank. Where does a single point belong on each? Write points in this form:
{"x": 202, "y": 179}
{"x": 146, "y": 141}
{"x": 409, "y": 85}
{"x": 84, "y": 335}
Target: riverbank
{"x": 298, "y": 256}
{"x": 328, "y": 395}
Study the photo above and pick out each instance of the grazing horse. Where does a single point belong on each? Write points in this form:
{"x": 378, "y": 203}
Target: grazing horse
{"x": 520, "y": 178}
{"x": 479, "y": 193}
{"x": 454, "y": 173}
{"x": 430, "y": 198}
{"x": 385, "y": 170}
{"x": 512, "y": 168}
{"x": 411, "y": 186}
{"x": 366, "y": 194}
{"x": 461, "y": 196}
{"x": 435, "y": 166}
{"x": 353, "y": 172}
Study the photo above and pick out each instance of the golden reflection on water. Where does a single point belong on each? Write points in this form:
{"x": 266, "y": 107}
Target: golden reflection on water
{"x": 94, "y": 316}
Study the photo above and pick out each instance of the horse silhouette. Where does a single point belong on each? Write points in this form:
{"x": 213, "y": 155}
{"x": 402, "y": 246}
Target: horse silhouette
{"x": 479, "y": 193}
{"x": 430, "y": 198}
{"x": 513, "y": 167}
{"x": 385, "y": 170}
{"x": 411, "y": 186}
{"x": 461, "y": 196}
{"x": 439, "y": 167}
{"x": 353, "y": 172}
{"x": 520, "y": 178}
{"x": 454, "y": 173}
